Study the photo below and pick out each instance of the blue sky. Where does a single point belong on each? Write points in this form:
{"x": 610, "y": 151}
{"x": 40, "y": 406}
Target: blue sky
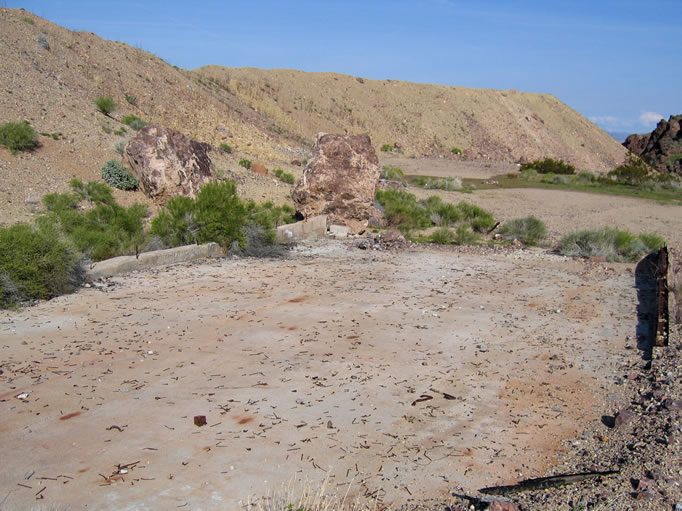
{"x": 619, "y": 63}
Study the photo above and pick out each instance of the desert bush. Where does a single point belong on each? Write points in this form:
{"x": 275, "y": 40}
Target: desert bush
{"x": 529, "y": 230}
{"x": 117, "y": 176}
{"x": 456, "y": 150}
{"x": 587, "y": 177}
{"x": 387, "y": 148}
{"x": 42, "y": 41}
{"x": 131, "y": 99}
{"x": 120, "y": 147}
{"x": 105, "y": 104}
{"x": 103, "y": 231}
{"x": 18, "y": 136}
{"x": 217, "y": 214}
{"x": 392, "y": 173}
{"x": 245, "y": 163}
{"x": 28, "y": 20}
{"x": 121, "y": 131}
{"x": 550, "y": 165}
{"x": 36, "y": 264}
{"x": 561, "y": 180}
{"x": 612, "y": 244}
{"x": 285, "y": 177}
{"x": 480, "y": 219}
{"x": 547, "y": 178}
{"x": 226, "y": 148}
{"x": 94, "y": 192}
{"x": 632, "y": 172}
{"x": 402, "y": 210}
{"x": 437, "y": 183}
{"x": 134, "y": 122}
{"x": 529, "y": 174}
{"x": 405, "y": 213}
{"x": 175, "y": 225}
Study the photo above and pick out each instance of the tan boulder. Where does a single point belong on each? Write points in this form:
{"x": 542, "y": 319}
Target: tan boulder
{"x": 168, "y": 163}
{"x": 339, "y": 181}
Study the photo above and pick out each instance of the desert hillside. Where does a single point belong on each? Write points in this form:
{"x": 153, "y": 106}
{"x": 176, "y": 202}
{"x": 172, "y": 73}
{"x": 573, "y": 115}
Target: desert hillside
{"x": 423, "y": 119}
{"x": 50, "y": 77}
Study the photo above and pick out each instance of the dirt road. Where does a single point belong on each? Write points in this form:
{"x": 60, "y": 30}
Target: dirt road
{"x": 401, "y": 375}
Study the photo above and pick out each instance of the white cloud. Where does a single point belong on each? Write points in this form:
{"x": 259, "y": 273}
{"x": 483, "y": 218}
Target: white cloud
{"x": 649, "y": 118}
{"x": 610, "y": 122}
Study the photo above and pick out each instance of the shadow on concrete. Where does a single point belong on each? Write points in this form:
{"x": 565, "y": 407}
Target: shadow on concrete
{"x": 645, "y": 283}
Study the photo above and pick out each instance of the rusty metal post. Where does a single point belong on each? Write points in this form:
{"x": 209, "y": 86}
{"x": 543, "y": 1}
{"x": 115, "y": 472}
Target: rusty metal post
{"x": 662, "y": 315}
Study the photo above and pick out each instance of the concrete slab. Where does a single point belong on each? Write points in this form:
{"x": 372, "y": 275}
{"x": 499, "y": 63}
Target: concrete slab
{"x": 126, "y": 264}
{"x": 308, "y": 229}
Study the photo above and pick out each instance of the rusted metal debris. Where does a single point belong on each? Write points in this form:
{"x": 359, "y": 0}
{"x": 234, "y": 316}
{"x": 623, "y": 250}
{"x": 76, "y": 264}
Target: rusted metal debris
{"x": 199, "y": 420}
{"x": 541, "y": 483}
{"x": 662, "y": 317}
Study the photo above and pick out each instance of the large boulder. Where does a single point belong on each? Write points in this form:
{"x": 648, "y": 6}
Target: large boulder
{"x": 339, "y": 181}
{"x": 168, "y": 163}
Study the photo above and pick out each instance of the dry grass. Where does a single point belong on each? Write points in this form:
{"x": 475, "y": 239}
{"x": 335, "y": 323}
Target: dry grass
{"x": 307, "y": 496}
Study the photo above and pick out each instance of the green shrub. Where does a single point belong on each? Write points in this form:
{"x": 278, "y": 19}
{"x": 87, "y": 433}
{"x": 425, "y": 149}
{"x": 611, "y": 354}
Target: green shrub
{"x": 561, "y": 180}
{"x": 36, "y": 264}
{"x": 387, "y": 147}
{"x": 226, "y": 148}
{"x": 288, "y": 178}
{"x": 105, "y": 104}
{"x": 456, "y": 150}
{"x": 402, "y": 210}
{"x": 134, "y": 122}
{"x": 633, "y": 172}
{"x": 392, "y": 173}
{"x": 245, "y": 163}
{"x": 18, "y": 136}
{"x": 104, "y": 231}
{"x": 217, "y": 214}
{"x": 529, "y": 230}
{"x": 121, "y": 131}
{"x": 587, "y": 177}
{"x": 442, "y": 236}
{"x": 437, "y": 183}
{"x": 612, "y": 244}
{"x": 176, "y": 224}
{"x": 120, "y": 147}
{"x": 97, "y": 193}
{"x": 529, "y": 174}
{"x": 131, "y": 99}
{"x": 464, "y": 236}
{"x": 479, "y": 218}
{"x": 28, "y": 20}
{"x": 117, "y": 176}
{"x": 550, "y": 165}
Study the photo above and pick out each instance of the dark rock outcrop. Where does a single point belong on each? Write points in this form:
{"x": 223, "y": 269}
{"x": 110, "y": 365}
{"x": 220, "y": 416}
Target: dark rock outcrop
{"x": 340, "y": 181}
{"x": 168, "y": 163}
{"x": 662, "y": 148}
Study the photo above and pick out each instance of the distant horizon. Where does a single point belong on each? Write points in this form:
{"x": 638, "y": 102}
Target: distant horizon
{"x": 584, "y": 53}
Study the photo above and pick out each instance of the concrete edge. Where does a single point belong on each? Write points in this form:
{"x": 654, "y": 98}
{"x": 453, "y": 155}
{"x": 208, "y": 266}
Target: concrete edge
{"x": 126, "y": 264}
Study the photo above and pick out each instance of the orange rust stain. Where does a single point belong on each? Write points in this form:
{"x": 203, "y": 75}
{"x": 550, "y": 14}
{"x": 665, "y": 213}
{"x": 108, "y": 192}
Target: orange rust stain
{"x": 353, "y": 337}
{"x": 292, "y": 328}
{"x": 245, "y": 420}
{"x": 69, "y": 416}
{"x": 298, "y": 300}
{"x": 83, "y": 470}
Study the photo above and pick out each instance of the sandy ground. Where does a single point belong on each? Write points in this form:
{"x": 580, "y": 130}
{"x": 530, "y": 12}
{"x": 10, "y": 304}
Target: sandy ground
{"x": 401, "y": 375}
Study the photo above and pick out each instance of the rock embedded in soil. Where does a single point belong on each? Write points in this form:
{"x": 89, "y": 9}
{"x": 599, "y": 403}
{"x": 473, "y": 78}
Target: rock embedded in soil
{"x": 168, "y": 163}
{"x": 340, "y": 181}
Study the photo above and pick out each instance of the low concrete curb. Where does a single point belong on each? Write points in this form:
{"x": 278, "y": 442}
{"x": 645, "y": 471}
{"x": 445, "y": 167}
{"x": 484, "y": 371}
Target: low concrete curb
{"x": 125, "y": 264}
